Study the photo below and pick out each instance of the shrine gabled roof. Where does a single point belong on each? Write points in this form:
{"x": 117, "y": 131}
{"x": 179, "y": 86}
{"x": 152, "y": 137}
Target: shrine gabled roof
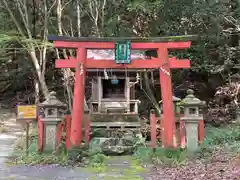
{"x": 117, "y": 39}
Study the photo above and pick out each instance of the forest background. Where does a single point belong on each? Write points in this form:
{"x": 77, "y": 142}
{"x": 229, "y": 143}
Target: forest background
{"x": 27, "y": 58}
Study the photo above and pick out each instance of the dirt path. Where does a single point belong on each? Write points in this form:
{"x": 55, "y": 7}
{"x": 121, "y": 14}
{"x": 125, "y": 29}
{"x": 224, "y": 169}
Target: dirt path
{"x": 9, "y": 131}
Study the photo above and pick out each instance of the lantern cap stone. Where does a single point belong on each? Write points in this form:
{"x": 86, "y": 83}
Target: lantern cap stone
{"x": 52, "y": 101}
{"x": 175, "y": 99}
{"x": 191, "y": 100}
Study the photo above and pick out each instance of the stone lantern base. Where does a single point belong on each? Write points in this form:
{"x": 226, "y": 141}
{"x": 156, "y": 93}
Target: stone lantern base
{"x": 191, "y": 125}
{"x": 238, "y": 115}
{"x": 50, "y": 135}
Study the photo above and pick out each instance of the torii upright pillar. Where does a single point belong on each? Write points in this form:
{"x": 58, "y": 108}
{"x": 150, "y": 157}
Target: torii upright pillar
{"x": 78, "y": 101}
{"x": 169, "y": 139}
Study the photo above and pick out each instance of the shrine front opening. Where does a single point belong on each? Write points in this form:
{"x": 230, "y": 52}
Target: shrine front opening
{"x": 122, "y": 60}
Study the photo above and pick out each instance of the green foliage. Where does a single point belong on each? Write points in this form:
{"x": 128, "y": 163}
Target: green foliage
{"x": 222, "y": 135}
{"x": 97, "y": 159}
{"x": 35, "y": 158}
{"x": 139, "y": 142}
{"x": 227, "y": 138}
{"x": 165, "y": 157}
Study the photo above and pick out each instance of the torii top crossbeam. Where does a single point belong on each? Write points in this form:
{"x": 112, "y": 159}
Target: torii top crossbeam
{"x": 115, "y": 39}
{"x": 156, "y": 43}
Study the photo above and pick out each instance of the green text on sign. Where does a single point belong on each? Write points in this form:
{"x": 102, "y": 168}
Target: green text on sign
{"x": 123, "y": 52}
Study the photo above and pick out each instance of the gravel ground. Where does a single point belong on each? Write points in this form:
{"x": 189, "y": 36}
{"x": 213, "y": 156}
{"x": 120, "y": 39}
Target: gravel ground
{"x": 222, "y": 166}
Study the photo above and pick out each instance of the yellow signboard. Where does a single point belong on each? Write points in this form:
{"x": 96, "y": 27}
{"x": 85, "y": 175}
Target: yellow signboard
{"x": 27, "y": 112}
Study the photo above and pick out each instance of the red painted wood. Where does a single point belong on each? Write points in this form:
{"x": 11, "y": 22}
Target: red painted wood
{"x": 40, "y": 134}
{"x": 201, "y": 131}
{"x": 98, "y": 64}
{"x": 68, "y": 131}
{"x": 175, "y": 63}
{"x": 163, "y": 139}
{"x": 153, "y": 123}
{"x": 111, "y": 45}
{"x": 166, "y": 90}
{"x": 78, "y": 101}
{"x": 87, "y": 129}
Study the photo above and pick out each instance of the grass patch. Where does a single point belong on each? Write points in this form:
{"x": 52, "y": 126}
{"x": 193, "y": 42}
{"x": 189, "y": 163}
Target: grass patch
{"x": 222, "y": 135}
{"x": 34, "y": 157}
{"x": 37, "y": 158}
{"x": 96, "y": 162}
{"x": 166, "y": 157}
{"x": 226, "y": 138}
{"x": 20, "y": 143}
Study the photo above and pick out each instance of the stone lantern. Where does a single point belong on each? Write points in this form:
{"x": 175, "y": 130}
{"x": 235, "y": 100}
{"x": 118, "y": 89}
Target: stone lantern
{"x": 52, "y": 113}
{"x": 175, "y": 101}
{"x": 191, "y": 118}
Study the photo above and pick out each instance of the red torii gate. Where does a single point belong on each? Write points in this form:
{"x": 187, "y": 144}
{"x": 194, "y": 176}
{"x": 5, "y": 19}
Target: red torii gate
{"x": 81, "y": 63}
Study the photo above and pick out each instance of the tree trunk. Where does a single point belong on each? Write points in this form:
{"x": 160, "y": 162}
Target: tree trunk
{"x": 36, "y": 84}
{"x": 41, "y": 77}
{"x": 150, "y": 92}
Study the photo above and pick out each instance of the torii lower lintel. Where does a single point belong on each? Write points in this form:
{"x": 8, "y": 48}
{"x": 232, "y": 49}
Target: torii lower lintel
{"x": 140, "y": 64}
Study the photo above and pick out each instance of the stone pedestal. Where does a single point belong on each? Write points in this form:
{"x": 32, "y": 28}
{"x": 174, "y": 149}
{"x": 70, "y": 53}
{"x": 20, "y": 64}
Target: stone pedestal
{"x": 191, "y": 126}
{"x": 50, "y": 136}
{"x": 238, "y": 115}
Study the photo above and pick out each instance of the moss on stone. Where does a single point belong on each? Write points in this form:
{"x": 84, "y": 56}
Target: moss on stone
{"x": 114, "y": 118}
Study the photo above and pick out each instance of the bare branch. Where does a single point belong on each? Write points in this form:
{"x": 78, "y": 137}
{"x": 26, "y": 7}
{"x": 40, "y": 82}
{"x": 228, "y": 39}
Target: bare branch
{"x": 103, "y": 13}
{"x": 63, "y": 7}
{"x": 78, "y": 18}
{"x": 94, "y": 12}
{"x": 24, "y": 17}
{"x": 13, "y": 18}
{"x": 232, "y": 21}
{"x": 45, "y": 33}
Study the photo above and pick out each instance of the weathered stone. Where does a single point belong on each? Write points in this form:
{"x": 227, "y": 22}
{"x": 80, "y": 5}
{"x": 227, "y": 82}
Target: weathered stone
{"x": 114, "y": 118}
{"x": 116, "y": 145}
{"x": 192, "y": 135}
{"x": 192, "y": 118}
{"x": 238, "y": 115}
{"x": 50, "y": 142}
{"x": 52, "y": 114}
